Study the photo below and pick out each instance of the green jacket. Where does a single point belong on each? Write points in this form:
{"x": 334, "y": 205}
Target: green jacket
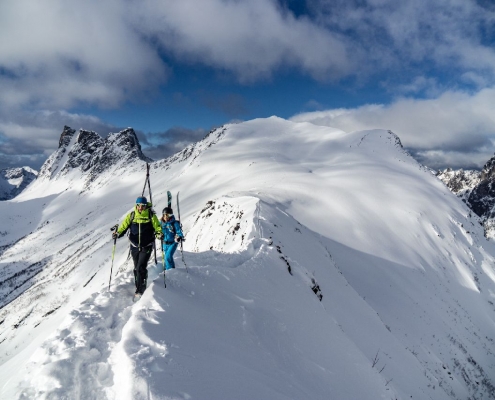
{"x": 142, "y": 228}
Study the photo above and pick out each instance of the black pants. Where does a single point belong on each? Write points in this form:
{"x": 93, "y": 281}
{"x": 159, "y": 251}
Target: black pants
{"x": 141, "y": 259}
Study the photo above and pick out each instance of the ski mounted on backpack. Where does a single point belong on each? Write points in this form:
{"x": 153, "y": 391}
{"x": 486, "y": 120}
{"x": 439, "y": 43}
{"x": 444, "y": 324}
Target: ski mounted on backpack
{"x": 169, "y": 204}
{"x": 147, "y": 181}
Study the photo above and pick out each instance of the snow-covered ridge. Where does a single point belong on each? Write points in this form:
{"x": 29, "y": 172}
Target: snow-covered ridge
{"x": 320, "y": 265}
{"x": 193, "y": 151}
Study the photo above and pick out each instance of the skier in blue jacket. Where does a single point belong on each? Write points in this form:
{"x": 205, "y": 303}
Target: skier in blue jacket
{"x": 172, "y": 236}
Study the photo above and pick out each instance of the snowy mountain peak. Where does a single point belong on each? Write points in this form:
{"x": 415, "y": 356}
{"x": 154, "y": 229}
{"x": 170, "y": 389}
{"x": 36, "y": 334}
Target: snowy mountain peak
{"x": 14, "y": 180}
{"x": 87, "y": 153}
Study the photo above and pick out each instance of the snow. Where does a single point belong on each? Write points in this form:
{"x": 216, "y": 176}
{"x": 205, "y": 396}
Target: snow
{"x": 277, "y": 214}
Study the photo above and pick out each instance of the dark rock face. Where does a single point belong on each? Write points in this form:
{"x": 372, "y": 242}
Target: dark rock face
{"x": 51, "y": 164}
{"x": 14, "y": 180}
{"x": 477, "y": 190}
{"x": 482, "y": 199}
{"x": 91, "y": 154}
{"x": 460, "y": 182}
{"x": 488, "y": 171}
{"x": 66, "y": 136}
{"x": 83, "y": 151}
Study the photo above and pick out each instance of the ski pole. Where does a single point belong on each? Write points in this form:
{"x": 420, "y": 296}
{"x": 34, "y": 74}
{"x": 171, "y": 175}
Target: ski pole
{"x": 182, "y": 253}
{"x": 113, "y": 229}
{"x": 181, "y": 248}
{"x": 163, "y": 262}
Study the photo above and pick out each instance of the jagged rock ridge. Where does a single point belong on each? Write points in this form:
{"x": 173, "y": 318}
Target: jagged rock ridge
{"x": 14, "y": 180}
{"x": 477, "y": 190}
{"x": 461, "y": 182}
{"x": 91, "y": 154}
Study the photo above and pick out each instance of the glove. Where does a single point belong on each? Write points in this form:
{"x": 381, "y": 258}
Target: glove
{"x": 115, "y": 235}
{"x": 159, "y": 236}
{"x": 178, "y": 239}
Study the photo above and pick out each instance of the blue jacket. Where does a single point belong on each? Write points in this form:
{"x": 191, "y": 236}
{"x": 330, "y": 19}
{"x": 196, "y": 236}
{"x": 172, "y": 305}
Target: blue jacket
{"x": 170, "y": 229}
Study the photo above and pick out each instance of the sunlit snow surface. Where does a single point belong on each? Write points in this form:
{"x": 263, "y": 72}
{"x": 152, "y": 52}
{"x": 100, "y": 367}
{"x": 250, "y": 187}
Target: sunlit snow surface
{"x": 278, "y": 216}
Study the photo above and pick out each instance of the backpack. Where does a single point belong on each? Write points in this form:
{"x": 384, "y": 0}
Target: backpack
{"x": 133, "y": 213}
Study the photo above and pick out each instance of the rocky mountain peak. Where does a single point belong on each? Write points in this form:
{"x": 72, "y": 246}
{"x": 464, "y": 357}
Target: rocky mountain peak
{"x": 66, "y": 137}
{"x": 91, "y": 154}
{"x": 128, "y": 142}
{"x": 14, "y": 180}
{"x": 488, "y": 171}
{"x": 461, "y": 182}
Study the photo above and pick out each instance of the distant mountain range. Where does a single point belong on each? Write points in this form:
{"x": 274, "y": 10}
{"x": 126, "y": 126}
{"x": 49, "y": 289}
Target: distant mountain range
{"x": 92, "y": 154}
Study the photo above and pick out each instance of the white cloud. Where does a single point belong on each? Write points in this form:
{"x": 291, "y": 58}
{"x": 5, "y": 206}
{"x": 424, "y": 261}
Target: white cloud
{"x": 406, "y": 34}
{"x": 249, "y": 38}
{"x": 38, "y": 132}
{"x": 453, "y": 125}
{"x": 60, "y": 54}
{"x": 56, "y": 54}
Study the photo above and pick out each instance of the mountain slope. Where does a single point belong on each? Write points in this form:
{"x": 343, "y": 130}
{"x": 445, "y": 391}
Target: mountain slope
{"x": 320, "y": 265}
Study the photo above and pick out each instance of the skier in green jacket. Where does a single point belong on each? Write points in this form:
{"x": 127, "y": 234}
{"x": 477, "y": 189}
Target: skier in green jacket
{"x": 144, "y": 227}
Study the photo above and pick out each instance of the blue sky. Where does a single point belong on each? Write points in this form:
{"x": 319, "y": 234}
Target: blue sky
{"x": 172, "y": 70}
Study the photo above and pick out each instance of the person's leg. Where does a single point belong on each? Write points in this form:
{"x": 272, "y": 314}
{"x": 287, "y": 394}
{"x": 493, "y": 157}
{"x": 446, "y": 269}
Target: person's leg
{"x": 142, "y": 269}
{"x": 169, "y": 255}
{"x": 135, "y": 259}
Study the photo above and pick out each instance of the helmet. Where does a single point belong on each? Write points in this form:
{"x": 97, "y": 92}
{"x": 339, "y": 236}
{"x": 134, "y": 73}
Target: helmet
{"x": 141, "y": 200}
{"x": 167, "y": 210}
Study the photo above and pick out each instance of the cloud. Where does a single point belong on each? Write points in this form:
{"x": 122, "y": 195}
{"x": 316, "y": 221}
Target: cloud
{"x": 392, "y": 34}
{"x": 247, "y": 38}
{"x": 106, "y": 53}
{"x": 164, "y": 144}
{"x": 54, "y": 55}
{"x": 456, "y": 129}
{"x": 30, "y": 137}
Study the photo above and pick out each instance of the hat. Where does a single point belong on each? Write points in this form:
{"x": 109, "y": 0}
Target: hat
{"x": 141, "y": 200}
{"x": 167, "y": 210}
